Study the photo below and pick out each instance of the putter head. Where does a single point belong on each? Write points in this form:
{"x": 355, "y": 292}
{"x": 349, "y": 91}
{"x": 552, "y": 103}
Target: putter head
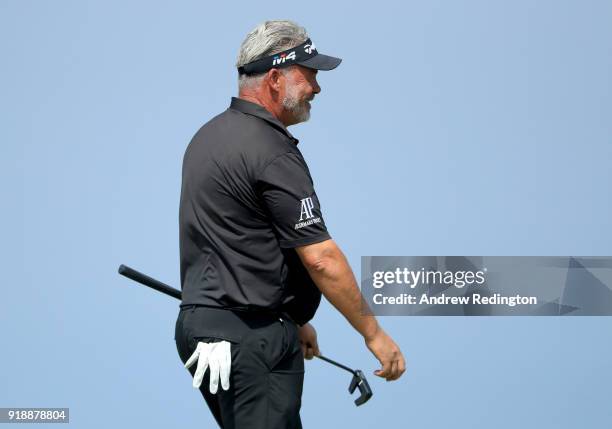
{"x": 359, "y": 381}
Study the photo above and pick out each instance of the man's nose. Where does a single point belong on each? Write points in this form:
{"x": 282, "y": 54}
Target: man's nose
{"x": 315, "y": 87}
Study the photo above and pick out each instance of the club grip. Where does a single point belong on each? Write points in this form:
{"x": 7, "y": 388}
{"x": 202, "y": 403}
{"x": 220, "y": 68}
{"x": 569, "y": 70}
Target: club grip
{"x": 141, "y": 278}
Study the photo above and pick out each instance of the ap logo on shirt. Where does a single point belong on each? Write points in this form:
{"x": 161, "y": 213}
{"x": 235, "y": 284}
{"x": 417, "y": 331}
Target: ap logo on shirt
{"x": 306, "y": 214}
{"x": 306, "y": 209}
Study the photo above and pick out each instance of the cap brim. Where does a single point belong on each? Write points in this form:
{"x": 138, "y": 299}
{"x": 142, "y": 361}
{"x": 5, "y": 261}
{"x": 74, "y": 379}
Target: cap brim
{"x": 321, "y": 62}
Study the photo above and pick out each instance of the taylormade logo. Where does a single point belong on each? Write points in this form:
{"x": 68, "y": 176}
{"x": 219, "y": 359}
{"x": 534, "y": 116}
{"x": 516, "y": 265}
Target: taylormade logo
{"x": 306, "y": 214}
{"x": 310, "y": 48}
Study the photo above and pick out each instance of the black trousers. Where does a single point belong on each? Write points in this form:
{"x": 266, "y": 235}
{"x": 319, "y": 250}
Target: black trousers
{"x": 267, "y": 372}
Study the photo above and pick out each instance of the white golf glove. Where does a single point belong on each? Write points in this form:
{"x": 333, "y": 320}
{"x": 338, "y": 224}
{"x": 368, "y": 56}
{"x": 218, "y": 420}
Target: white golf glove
{"x": 218, "y": 357}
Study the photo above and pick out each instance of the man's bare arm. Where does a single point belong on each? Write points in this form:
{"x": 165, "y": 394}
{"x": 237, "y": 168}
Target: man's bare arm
{"x": 332, "y": 274}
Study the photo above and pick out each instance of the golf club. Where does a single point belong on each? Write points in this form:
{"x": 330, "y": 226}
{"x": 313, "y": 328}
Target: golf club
{"x": 358, "y": 381}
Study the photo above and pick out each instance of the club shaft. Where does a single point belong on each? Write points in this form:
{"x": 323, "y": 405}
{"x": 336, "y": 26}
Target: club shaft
{"x": 333, "y": 362}
{"x": 141, "y": 278}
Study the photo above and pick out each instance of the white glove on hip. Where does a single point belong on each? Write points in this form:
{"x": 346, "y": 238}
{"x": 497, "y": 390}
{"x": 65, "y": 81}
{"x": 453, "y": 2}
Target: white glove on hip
{"x": 216, "y": 355}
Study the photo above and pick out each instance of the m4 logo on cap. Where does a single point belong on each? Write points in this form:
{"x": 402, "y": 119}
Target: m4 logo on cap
{"x": 280, "y": 59}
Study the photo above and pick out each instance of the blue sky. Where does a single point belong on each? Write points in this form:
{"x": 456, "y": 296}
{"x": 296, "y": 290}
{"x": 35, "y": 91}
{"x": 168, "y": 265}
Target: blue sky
{"x": 451, "y": 128}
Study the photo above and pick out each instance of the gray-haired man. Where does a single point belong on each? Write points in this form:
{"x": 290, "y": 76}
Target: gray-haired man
{"x": 255, "y": 252}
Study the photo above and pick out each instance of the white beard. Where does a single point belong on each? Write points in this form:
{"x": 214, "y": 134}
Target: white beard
{"x": 299, "y": 109}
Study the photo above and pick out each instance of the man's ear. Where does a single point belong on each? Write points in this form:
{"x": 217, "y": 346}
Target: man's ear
{"x": 274, "y": 79}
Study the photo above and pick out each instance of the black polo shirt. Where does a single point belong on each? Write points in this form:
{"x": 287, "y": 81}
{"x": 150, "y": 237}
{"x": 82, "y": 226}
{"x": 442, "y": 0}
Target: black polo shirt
{"x": 247, "y": 199}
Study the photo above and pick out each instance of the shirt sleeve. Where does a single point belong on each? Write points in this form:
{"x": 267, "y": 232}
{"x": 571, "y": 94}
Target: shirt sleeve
{"x": 288, "y": 193}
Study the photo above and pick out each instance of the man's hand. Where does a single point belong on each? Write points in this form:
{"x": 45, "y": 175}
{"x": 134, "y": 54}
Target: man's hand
{"x": 308, "y": 341}
{"x": 389, "y": 355}
{"x": 216, "y": 355}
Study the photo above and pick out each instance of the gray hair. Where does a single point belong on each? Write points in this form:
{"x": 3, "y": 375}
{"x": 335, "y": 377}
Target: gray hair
{"x": 268, "y": 38}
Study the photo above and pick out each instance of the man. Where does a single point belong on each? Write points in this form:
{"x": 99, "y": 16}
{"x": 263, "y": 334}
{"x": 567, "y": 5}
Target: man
{"x": 255, "y": 252}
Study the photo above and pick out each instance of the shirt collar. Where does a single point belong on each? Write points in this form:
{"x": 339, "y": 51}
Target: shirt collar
{"x": 259, "y": 111}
